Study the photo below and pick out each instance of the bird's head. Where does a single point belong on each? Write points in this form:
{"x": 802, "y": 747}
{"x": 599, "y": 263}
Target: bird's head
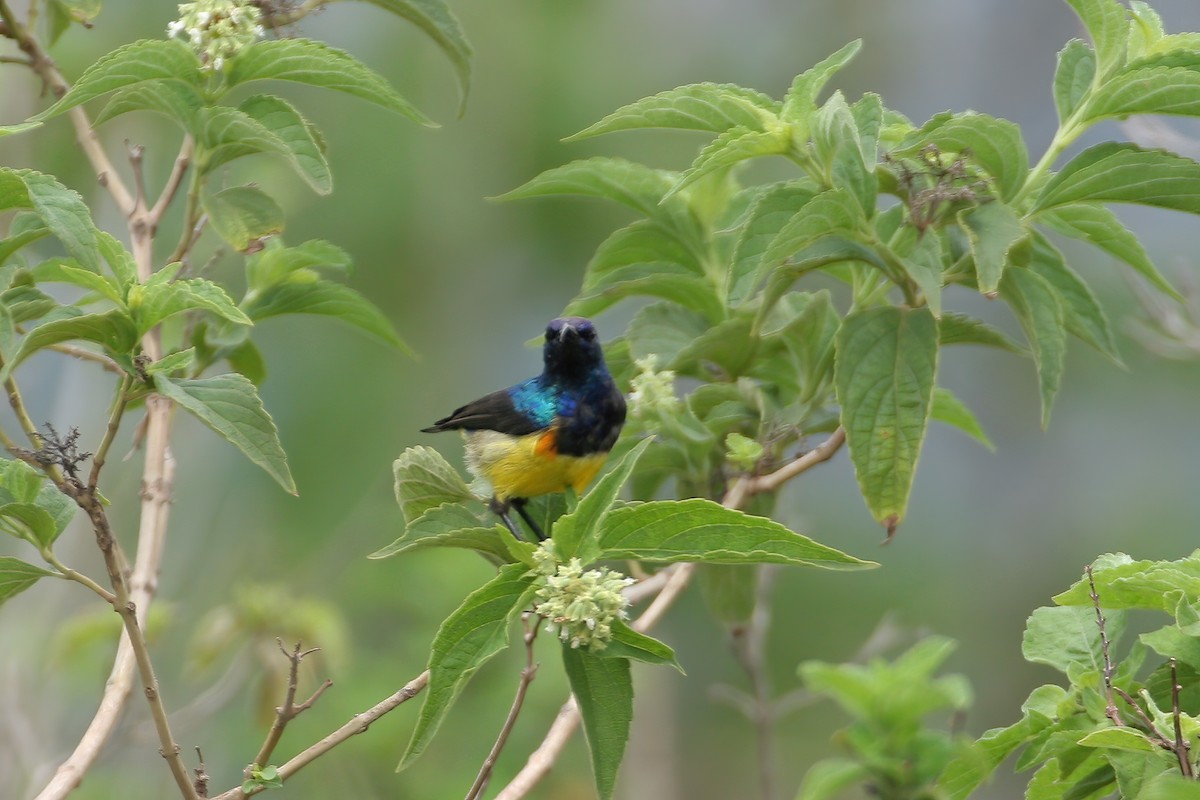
{"x": 572, "y": 347}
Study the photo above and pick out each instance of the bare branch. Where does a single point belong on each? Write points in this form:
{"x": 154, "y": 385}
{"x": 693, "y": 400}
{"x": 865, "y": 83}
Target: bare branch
{"x": 1110, "y": 709}
{"x": 532, "y": 622}
{"x": 289, "y": 710}
{"x": 357, "y": 724}
{"x": 174, "y": 181}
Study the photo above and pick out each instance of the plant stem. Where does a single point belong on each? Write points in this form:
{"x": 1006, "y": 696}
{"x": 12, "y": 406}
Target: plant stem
{"x": 69, "y": 574}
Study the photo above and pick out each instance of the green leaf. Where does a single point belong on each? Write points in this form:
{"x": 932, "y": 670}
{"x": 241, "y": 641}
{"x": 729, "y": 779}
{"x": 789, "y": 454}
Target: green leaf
{"x": 629, "y": 644}
{"x": 63, "y": 210}
{"x": 731, "y": 147}
{"x": 57, "y": 270}
{"x": 327, "y": 299}
{"x": 886, "y": 362}
{"x": 1073, "y": 77}
{"x": 923, "y": 260}
{"x": 868, "y": 113}
{"x": 1105, "y": 21}
{"x": 992, "y": 143}
{"x": 424, "y": 480}
{"x": 21, "y": 127}
{"x": 449, "y": 525}
{"x": 801, "y": 99}
{"x": 1083, "y": 315}
{"x": 61, "y": 13}
{"x": 317, "y": 64}
{"x": 949, "y": 409}
{"x": 1120, "y": 739}
{"x": 20, "y": 234}
{"x": 16, "y": 576}
{"x": 174, "y": 362}
{"x": 1122, "y": 582}
{"x": 276, "y": 263}
{"x": 174, "y": 99}
{"x": 305, "y": 150}
{"x": 1101, "y": 228}
{"x": 1039, "y": 309}
{"x": 714, "y": 107}
{"x": 243, "y": 215}
{"x": 993, "y": 228}
{"x": 770, "y": 212}
{"x": 664, "y": 330}
{"x": 1119, "y": 172}
{"x": 830, "y": 212}
{"x": 113, "y": 330}
{"x": 225, "y": 133}
{"x": 576, "y": 534}
{"x": 466, "y": 640}
{"x": 729, "y": 591}
{"x": 701, "y": 530}
{"x": 1145, "y": 30}
{"x": 836, "y": 144}
{"x": 604, "y": 691}
{"x": 1067, "y": 637}
{"x": 230, "y": 406}
{"x": 162, "y": 300}
{"x": 438, "y": 22}
{"x": 829, "y": 777}
{"x": 30, "y": 522}
{"x": 1149, "y": 90}
{"x": 144, "y": 60}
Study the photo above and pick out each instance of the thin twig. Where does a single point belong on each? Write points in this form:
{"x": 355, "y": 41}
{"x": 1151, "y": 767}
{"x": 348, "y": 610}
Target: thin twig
{"x": 289, "y": 710}
{"x": 1110, "y": 709}
{"x": 357, "y": 724}
{"x": 83, "y": 354}
{"x": 1182, "y": 745}
{"x": 201, "y": 772}
{"x": 174, "y": 181}
{"x": 532, "y": 623}
{"x": 110, "y": 432}
{"x": 66, "y": 573}
{"x": 749, "y": 645}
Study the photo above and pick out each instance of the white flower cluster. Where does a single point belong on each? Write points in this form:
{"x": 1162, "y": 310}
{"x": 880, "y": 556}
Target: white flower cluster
{"x": 218, "y": 29}
{"x": 580, "y": 605}
{"x": 653, "y": 391}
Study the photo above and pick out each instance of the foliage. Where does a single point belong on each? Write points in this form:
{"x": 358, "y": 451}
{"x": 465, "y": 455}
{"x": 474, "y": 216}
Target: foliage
{"x": 1127, "y": 720}
{"x": 890, "y": 749}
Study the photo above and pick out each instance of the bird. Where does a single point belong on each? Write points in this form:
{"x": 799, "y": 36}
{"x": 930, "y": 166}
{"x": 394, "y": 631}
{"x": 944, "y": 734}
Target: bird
{"x": 547, "y": 433}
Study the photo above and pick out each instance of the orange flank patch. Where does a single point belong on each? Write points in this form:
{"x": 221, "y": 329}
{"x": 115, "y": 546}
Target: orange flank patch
{"x": 547, "y": 444}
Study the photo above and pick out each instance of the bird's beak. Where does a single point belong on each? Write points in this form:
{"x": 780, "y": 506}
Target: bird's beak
{"x": 568, "y": 332}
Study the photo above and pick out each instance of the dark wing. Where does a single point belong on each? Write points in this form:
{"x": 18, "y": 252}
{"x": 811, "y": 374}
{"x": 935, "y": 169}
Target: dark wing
{"x": 493, "y": 412}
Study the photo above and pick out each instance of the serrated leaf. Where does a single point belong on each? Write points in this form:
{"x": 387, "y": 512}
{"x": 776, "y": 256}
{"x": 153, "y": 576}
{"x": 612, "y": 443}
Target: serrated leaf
{"x": 438, "y": 22}
{"x": 1106, "y": 22}
{"x": 243, "y": 215}
{"x": 830, "y": 212}
{"x": 1084, "y": 316}
{"x": 769, "y": 213}
{"x": 868, "y": 113}
{"x": 603, "y": 690}
{"x": 449, "y": 525}
{"x": 731, "y": 147}
{"x": 1067, "y": 637}
{"x": 701, "y": 530}
{"x": 1145, "y": 30}
{"x": 994, "y": 144}
{"x": 18, "y": 238}
{"x": 1122, "y": 582}
{"x": 835, "y": 140}
{"x": 425, "y": 480}
{"x": 317, "y": 64}
{"x": 144, "y": 60}
{"x": 174, "y": 99}
{"x": 629, "y": 644}
{"x": 113, "y": 330}
{"x": 1073, "y": 77}
{"x": 1120, "y": 739}
{"x": 664, "y": 330}
{"x": 61, "y": 209}
{"x": 30, "y": 522}
{"x": 229, "y": 405}
{"x": 829, "y": 777}
{"x": 1148, "y": 90}
{"x": 327, "y": 299}
{"x": 16, "y": 576}
{"x": 826, "y": 253}
{"x": 801, "y": 98}
{"x": 1100, "y": 227}
{"x": 1040, "y": 311}
{"x": 576, "y": 534}
{"x": 466, "y": 640}
{"x": 729, "y": 345}
{"x": 60, "y": 271}
{"x": 119, "y": 260}
{"x": 304, "y": 150}
{"x": 949, "y": 409}
{"x": 1119, "y": 172}
{"x": 276, "y": 263}
{"x": 160, "y": 301}
{"x": 885, "y": 369}
{"x": 174, "y": 362}
{"x": 714, "y": 107}
{"x": 923, "y": 261}
{"x": 993, "y": 229}
{"x": 229, "y": 133}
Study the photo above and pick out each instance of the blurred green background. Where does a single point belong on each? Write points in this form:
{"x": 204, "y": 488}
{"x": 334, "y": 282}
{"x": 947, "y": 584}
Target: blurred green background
{"x": 990, "y": 536}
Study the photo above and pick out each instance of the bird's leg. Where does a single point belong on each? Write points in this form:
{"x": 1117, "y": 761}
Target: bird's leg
{"x": 501, "y": 510}
{"x": 519, "y": 504}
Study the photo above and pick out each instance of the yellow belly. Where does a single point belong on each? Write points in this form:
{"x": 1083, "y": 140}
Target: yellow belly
{"x": 523, "y": 466}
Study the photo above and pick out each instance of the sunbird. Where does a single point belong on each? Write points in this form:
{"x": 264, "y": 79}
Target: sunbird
{"x": 546, "y": 433}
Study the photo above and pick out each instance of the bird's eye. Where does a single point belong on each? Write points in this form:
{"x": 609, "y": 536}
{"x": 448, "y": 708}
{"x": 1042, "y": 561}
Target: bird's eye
{"x": 587, "y": 333}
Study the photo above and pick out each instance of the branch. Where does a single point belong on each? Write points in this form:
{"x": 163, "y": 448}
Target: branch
{"x": 174, "y": 181}
{"x": 357, "y": 724}
{"x": 543, "y": 758}
{"x": 289, "y": 710}
{"x": 527, "y": 676}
